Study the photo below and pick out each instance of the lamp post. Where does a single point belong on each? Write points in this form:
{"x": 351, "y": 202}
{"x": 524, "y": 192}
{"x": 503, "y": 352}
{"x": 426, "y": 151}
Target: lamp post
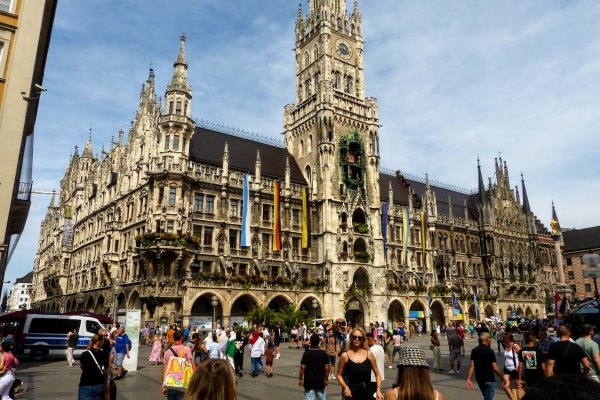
{"x": 215, "y": 302}
{"x": 315, "y": 305}
{"x": 117, "y": 289}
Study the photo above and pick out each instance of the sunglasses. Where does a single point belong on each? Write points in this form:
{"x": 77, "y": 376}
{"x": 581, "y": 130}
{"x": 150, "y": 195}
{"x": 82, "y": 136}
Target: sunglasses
{"x": 361, "y": 338}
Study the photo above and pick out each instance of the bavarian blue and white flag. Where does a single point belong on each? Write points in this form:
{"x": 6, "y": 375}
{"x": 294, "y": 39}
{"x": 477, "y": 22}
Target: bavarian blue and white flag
{"x": 246, "y": 213}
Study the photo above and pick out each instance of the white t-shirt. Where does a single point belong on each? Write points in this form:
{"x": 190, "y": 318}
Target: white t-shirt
{"x": 378, "y": 352}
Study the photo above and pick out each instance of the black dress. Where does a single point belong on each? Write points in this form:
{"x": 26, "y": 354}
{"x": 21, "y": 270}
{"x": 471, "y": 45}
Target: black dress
{"x": 359, "y": 379}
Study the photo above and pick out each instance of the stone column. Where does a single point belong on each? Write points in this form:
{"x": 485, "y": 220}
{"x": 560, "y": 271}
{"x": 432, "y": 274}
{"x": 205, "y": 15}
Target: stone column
{"x": 562, "y": 288}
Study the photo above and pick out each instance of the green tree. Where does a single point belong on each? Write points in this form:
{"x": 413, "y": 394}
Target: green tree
{"x": 290, "y": 315}
{"x": 260, "y": 315}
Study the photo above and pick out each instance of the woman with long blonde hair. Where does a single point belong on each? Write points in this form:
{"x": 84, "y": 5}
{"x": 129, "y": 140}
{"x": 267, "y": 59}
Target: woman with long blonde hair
{"x": 413, "y": 382}
{"x": 214, "y": 380}
{"x": 358, "y": 362}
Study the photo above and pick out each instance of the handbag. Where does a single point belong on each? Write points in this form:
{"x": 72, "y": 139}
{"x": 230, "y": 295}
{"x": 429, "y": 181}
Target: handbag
{"x": 431, "y": 347}
{"x": 179, "y": 371}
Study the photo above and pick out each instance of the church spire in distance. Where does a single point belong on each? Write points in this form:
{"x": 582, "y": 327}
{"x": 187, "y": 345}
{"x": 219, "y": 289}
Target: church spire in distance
{"x": 179, "y": 81}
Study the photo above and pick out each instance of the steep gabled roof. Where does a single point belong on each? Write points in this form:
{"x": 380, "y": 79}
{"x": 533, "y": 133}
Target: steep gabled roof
{"x": 207, "y": 146}
{"x": 582, "y": 239}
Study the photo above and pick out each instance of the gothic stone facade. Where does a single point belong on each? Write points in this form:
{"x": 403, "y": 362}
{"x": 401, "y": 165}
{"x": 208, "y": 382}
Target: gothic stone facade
{"x": 162, "y": 211}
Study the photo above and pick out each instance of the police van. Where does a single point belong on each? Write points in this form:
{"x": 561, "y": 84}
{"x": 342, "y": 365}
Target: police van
{"x": 46, "y": 335}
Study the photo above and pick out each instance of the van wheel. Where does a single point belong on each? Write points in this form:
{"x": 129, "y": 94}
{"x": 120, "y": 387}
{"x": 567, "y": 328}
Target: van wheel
{"x": 38, "y": 353}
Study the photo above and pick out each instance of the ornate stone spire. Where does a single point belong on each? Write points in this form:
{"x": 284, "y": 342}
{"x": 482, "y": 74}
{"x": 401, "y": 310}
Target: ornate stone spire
{"x": 356, "y": 11}
{"x": 179, "y": 81}
{"x": 87, "y": 151}
{"x": 482, "y": 198}
{"x": 300, "y": 14}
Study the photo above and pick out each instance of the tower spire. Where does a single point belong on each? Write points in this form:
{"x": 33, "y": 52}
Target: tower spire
{"x": 300, "y": 14}
{"x": 482, "y": 196}
{"x": 87, "y": 151}
{"x": 526, "y": 206}
{"x": 179, "y": 81}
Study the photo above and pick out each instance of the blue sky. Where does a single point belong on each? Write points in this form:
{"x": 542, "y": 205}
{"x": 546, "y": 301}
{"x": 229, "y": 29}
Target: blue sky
{"x": 454, "y": 80}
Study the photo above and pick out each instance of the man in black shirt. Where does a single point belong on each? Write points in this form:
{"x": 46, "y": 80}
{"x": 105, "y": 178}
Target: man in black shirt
{"x": 565, "y": 356}
{"x": 532, "y": 363}
{"x": 483, "y": 362}
{"x": 315, "y": 370}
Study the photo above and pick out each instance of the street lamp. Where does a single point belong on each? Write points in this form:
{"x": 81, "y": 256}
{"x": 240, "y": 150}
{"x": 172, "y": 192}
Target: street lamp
{"x": 117, "y": 282}
{"x": 315, "y": 305}
{"x": 215, "y": 302}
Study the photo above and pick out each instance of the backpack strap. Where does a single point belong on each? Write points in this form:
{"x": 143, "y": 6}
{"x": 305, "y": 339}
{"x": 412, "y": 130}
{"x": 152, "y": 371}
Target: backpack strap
{"x": 98, "y": 365}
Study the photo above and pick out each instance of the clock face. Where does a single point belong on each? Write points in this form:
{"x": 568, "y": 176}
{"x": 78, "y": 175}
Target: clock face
{"x": 343, "y": 49}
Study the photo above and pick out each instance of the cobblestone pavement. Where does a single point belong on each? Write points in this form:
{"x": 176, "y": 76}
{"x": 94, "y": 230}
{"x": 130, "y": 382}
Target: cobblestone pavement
{"x": 50, "y": 379}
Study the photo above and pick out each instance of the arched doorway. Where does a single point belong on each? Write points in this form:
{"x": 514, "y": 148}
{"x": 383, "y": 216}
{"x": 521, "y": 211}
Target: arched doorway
{"x": 100, "y": 305}
{"x": 121, "y": 308}
{"x": 203, "y": 315}
{"x": 240, "y": 309}
{"x": 89, "y": 306}
{"x": 277, "y": 303}
{"x": 416, "y": 315}
{"x": 437, "y": 313}
{"x": 489, "y": 311}
{"x": 134, "y": 303}
{"x": 474, "y": 313}
{"x": 395, "y": 314}
{"x": 307, "y": 305}
{"x": 355, "y": 313}
{"x": 360, "y": 280}
{"x": 520, "y": 312}
{"x": 528, "y": 313}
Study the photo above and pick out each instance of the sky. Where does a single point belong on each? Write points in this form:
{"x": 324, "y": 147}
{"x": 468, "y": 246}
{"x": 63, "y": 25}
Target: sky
{"x": 455, "y": 80}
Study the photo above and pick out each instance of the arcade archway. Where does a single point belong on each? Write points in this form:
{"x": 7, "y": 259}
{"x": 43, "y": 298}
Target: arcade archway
{"x": 395, "y": 314}
{"x": 240, "y": 309}
{"x": 416, "y": 315}
{"x": 204, "y": 315}
{"x": 355, "y": 313}
{"x": 437, "y": 313}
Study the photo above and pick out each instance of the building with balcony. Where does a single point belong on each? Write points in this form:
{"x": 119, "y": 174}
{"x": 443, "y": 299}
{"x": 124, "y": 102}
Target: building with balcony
{"x": 161, "y": 210}
{"x": 25, "y": 28}
{"x": 577, "y": 243}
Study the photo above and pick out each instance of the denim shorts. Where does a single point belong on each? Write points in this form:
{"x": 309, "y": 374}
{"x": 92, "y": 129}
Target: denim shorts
{"x": 314, "y": 394}
{"x": 90, "y": 392}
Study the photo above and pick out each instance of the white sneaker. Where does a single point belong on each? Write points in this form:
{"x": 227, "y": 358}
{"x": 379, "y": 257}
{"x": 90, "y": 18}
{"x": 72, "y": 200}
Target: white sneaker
{"x": 390, "y": 366}
{"x": 451, "y": 372}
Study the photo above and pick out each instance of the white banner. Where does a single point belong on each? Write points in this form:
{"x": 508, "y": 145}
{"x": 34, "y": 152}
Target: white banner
{"x": 202, "y": 323}
{"x": 133, "y": 322}
{"x": 240, "y": 321}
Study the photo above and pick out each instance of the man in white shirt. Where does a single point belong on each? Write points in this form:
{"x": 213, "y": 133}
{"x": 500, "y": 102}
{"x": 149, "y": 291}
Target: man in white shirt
{"x": 265, "y": 333}
{"x": 379, "y": 354}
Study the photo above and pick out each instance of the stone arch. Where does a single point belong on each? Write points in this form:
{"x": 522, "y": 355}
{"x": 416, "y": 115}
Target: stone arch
{"x": 68, "y": 305}
{"x": 306, "y": 304}
{"x": 89, "y": 304}
{"x": 359, "y": 216}
{"x": 202, "y": 311}
{"x": 134, "y": 301}
{"x": 121, "y": 302}
{"x": 361, "y": 277}
{"x": 241, "y": 306}
{"x": 396, "y": 313}
{"x": 489, "y": 311}
{"x": 357, "y": 311}
{"x": 278, "y": 301}
{"x": 309, "y": 143}
{"x": 437, "y": 313}
{"x": 528, "y": 313}
{"x": 100, "y": 305}
{"x": 301, "y": 148}
{"x": 520, "y": 312}
{"x": 473, "y": 312}
{"x": 418, "y": 311}
{"x": 359, "y": 247}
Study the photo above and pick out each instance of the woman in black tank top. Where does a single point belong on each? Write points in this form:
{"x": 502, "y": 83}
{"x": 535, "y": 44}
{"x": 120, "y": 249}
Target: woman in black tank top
{"x": 358, "y": 363}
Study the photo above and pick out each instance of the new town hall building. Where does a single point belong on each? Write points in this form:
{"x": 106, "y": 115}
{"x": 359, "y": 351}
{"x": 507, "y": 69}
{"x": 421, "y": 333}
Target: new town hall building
{"x": 161, "y": 209}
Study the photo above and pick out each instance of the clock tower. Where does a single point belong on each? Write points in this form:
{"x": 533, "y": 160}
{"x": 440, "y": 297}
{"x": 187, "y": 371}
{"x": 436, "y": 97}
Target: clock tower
{"x": 333, "y": 133}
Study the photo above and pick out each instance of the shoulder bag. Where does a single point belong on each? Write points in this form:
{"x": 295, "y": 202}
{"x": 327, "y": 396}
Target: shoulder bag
{"x": 179, "y": 370}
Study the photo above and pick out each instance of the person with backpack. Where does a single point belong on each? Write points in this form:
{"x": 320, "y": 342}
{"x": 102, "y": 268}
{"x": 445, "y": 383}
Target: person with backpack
{"x": 177, "y": 349}
{"x": 93, "y": 362}
{"x": 122, "y": 347}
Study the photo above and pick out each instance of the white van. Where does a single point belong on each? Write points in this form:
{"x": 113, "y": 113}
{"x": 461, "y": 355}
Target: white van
{"x": 45, "y": 335}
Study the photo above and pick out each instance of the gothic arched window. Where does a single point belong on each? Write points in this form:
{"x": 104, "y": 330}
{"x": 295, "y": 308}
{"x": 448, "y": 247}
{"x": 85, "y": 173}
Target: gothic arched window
{"x": 349, "y": 85}
{"x": 306, "y": 59}
{"x": 301, "y": 148}
{"x": 315, "y": 52}
{"x": 167, "y": 142}
{"x": 337, "y": 81}
{"x": 308, "y": 174}
{"x": 307, "y": 87}
{"x": 309, "y": 143}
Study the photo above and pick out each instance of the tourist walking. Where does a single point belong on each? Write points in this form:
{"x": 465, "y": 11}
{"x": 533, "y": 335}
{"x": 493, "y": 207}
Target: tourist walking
{"x": 213, "y": 380}
{"x": 437, "y": 351}
{"x": 388, "y": 346}
{"x": 378, "y": 352}
{"x": 591, "y": 350}
{"x": 269, "y": 357}
{"x": 500, "y": 339}
{"x": 93, "y": 361}
{"x": 72, "y": 340}
{"x": 511, "y": 362}
{"x": 483, "y": 363}
{"x": 214, "y": 350}
{"x": 277, "y": 334}
{"x": 294, "y": 337}
{"x": 230, "y": 349}
{"x": 199, "y": 351}
{"x": 457, "y": 349}
{"x": 413, "y": 381}
{"x": 565, "y": 356}
{"x": 257, "y": 350}
{"x": 177, "y": 349}
{"x": 238, "y": 358}
{"x": 532, "y": 363}
{"x": 358, "y": 362}
{"x": 331, "y": 348}
{"x": 397, "y": 339}
{"x": 157, "y": 347}
{"x": 314, "y": 371}
{"x": 122, "y": 347}
{"x": 544, "y": 341}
